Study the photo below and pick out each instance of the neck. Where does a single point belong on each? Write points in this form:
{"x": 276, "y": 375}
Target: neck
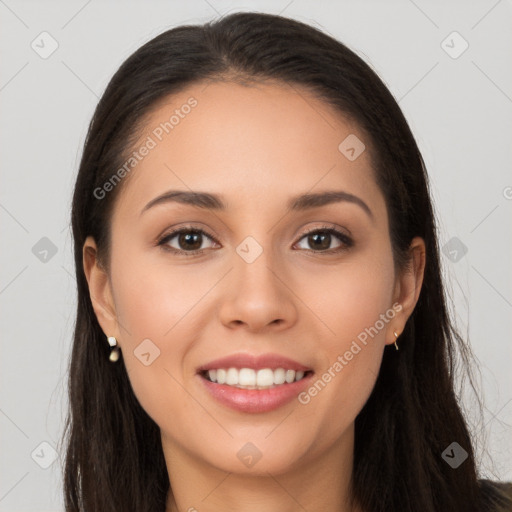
{"x": 316, "y": 484}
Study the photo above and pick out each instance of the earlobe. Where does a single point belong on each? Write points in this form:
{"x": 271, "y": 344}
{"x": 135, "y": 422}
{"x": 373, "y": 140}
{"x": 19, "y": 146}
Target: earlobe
{"x": 99, "y": 288}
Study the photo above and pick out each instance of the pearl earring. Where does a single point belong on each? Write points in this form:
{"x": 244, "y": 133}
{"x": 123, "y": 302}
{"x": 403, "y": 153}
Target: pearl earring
{"x": 114, "y": 353}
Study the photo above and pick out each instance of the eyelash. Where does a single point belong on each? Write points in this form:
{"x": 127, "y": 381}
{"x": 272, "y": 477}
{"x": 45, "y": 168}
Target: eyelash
{"x": 162, "y": 242}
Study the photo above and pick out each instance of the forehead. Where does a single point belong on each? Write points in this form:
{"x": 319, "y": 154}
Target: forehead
{"x": 253, "y": 144}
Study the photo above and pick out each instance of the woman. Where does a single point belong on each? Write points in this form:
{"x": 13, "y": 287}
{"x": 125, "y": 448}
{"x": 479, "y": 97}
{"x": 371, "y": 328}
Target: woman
{"x": 255, "y": 247}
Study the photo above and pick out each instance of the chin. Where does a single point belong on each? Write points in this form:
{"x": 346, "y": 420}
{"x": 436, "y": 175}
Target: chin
{"x": 252, "y": 458}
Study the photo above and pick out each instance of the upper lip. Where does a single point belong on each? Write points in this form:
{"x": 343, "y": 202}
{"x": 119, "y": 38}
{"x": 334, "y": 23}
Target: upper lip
{"x": 256, "y": 362}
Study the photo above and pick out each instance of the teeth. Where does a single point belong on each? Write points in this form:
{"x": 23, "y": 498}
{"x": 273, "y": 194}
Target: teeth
{"x": 232, "y": 377}
{"x": 279, "y": 376}
{"x": 264, "y": 377}
{"x": 247, "y": 378}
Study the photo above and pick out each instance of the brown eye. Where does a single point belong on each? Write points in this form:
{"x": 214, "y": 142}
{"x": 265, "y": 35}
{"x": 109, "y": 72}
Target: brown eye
{"x": 188, "y": 240}
{"x": 319, "y": 240}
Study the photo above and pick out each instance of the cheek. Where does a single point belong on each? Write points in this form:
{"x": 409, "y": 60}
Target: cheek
{"x": 153, "y": 305}
{"x": 352, "y": 298}
{"x": 356, "y": 306}
{"x": 153, "y": 299}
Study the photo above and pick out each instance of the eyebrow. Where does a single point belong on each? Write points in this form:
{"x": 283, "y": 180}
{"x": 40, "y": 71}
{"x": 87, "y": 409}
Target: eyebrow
{"x": 215, "y": 202}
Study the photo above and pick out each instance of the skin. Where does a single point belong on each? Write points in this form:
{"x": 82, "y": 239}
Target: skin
{"x": 257, "y": 146}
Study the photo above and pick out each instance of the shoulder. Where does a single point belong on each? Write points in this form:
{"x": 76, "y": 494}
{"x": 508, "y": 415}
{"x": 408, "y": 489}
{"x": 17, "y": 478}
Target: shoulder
{"x": 495, "y": 496}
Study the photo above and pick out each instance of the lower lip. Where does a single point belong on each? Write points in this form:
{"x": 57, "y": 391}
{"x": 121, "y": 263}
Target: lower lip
{"x": 255, "y": 400}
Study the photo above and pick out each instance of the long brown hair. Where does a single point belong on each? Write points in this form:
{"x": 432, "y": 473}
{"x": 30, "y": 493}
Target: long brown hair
{"x": 114, "y": 457}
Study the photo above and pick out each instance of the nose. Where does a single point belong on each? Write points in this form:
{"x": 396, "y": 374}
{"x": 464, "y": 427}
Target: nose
{"x": 258, "y": 296}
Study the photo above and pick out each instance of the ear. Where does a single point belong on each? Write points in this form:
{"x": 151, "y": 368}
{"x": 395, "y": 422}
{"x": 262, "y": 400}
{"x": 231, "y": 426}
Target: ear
{"x": 408, "y": 287}
{"x": 99, "y": 289}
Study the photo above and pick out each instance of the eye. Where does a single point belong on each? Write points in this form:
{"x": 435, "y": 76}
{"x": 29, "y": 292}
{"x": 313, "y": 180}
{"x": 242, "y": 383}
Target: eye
{"x": 320, "y": 239}
{"x": 188, "y": 239}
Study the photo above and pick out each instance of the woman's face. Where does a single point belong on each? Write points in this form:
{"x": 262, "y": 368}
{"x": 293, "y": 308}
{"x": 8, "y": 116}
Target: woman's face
{"x": 258, "y": 285}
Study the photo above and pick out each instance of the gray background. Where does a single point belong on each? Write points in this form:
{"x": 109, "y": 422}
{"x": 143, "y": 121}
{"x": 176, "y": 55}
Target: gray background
{"x": 459, "y": 107}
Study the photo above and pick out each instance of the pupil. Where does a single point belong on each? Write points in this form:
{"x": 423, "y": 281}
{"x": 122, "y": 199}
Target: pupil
{"x": 324, "y": 237}
{"x": 186, "y": 238}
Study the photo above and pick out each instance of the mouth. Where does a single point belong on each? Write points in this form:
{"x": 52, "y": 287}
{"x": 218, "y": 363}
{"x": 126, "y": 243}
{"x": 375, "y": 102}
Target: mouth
{"x": 254, "y": 384}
